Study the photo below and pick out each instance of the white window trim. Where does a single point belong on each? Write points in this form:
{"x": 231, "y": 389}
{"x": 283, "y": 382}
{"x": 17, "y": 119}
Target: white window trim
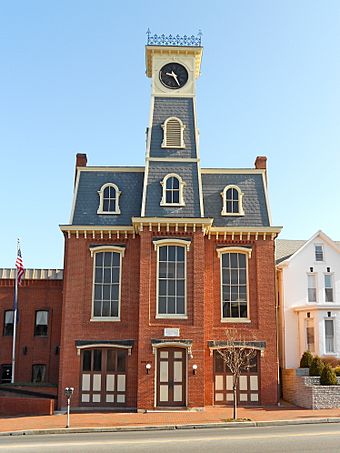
{"x": 306, "y": 322}
{"x": 164, "y": 127}
{"x": 315, "y": 274}
{"x": 246, "y": 251}
{"x": 181, "y": 190}
{"x": 100, "y": 210}
{"x": 331, "y": 274}
{"x": 107, "y": 248}
{"x": 223, "y": 194}
{"x": 330, "y": 318}
{"x": 181, "y": 243}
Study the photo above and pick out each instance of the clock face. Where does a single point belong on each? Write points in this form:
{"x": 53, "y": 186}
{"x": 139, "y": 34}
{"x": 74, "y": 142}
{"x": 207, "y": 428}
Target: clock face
{"x": 173, "y": 75}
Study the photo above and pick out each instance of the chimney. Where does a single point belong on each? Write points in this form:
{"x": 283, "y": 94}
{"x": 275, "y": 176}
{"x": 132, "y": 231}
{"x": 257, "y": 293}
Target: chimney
{"x": 261, "y": 164}
{"x": 81, "y": 160}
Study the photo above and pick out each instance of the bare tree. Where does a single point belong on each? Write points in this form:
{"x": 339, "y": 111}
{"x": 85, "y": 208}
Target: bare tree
{"x": 237, "y": 353}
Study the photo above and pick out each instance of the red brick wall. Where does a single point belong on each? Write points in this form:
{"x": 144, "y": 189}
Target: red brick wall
{"x": 138, "y": 313}
{"x": 77, "y": 304}
{"x": 32, "y": 295}
{"x": 26, "y": 406}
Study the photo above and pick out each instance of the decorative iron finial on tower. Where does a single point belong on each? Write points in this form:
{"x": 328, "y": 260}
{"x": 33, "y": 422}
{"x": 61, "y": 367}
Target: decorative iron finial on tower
{"x": 174, "y": 40}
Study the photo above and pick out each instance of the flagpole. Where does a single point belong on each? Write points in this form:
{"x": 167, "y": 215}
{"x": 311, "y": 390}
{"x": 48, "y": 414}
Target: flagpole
{"x": 15, "y": 315}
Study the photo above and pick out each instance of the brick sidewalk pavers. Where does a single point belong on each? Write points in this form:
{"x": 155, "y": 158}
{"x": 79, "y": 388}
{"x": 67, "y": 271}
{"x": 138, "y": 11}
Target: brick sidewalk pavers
{"x": 209, "y": 415}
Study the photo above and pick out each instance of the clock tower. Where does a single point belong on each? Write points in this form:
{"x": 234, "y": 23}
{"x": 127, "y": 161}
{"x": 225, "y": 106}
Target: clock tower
{"x": 172, "y": 156}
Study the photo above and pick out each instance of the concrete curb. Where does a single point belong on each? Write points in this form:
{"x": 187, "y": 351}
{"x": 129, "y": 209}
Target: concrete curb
{"x": 250, "y": 424}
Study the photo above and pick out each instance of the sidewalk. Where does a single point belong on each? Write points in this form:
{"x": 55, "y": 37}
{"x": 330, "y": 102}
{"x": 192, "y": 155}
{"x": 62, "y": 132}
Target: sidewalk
{"x": 212, "y": 415}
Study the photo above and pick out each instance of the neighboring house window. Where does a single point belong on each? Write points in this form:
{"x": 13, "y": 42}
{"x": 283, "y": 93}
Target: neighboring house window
{"x": 171, "y": 277}
{"x": 173, "y": 130}
{"x": 109, "y": 199}
{"x": 310, "y": 335}
{"x": 38, "y": 374}
{"x": 41, "y": 323}
{"x": 232, "y": 201}
{"x": 312, "y": 288}
{"x": 107, "y": 282}
{"x": 328, "y": 288}
{"x": 173, "y": 187}
{"x": 329, "y": 336}
{"x": 318, "y": 253}
{"x": 234, "y": 282}
{"x": 8, "y": 323}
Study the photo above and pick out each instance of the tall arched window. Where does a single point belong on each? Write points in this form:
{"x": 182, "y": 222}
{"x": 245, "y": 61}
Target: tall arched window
{"x": 171, "y": 277}
{"x": 232, "y": 199}
{"x": 234, "y": 283}
{"x": 109, "y": 199}
{"x": 173, "y": 187}
{"x": 107, "y": 271}
{"x": 173, "y": 130}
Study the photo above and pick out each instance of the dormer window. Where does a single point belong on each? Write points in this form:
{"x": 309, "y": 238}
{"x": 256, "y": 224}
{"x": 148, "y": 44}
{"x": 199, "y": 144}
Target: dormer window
{"x": 173, "y": 187}
{"x": 232, "y": 199}
{"x": 109, "y": 199}
{"x": 173, "y": 130}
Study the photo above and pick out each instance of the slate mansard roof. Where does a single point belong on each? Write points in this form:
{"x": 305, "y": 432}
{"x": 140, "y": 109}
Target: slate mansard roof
{"x": 130, "y": 181}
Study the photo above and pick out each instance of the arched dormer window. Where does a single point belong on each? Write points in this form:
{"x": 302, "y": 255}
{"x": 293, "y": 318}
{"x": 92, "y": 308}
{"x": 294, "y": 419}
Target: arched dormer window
{"x": 232, "y": 201}
{"x": 173, "y": 187}
{"x": 109, "y": 199}
{"x": 173, "y": 130}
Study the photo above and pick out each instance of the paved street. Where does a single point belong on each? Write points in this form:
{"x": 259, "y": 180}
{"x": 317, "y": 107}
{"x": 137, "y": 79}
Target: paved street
{"x": 303, "y": 438}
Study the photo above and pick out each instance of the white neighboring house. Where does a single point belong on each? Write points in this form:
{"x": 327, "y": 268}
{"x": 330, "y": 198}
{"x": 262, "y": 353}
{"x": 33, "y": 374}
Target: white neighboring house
{"x": 309, "y": 298}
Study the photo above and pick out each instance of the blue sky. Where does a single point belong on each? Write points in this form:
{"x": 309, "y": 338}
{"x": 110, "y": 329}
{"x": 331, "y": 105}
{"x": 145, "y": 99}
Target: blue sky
{"x": 72, "y": 80}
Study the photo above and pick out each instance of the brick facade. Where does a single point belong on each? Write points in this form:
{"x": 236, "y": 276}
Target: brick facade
{"x": 33, "y": 295}
{"x": 138, "y": 313}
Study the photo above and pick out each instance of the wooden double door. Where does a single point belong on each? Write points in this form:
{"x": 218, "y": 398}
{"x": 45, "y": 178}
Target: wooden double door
{"x": 171, "y": 377}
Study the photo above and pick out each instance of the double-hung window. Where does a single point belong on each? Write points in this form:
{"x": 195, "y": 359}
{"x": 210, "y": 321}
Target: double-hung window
{"x": 109, "y": 199}
{"x": 172, "y": 190}
{"x": 310, "y": 339}
{"x": 318, "y": 249}
{"x": 171, "y": 278}
{"x": 234, "y": 283}
{"x": 232, "y": 201}
{"x": 41, "y": 323}
{"x": 38, "y": 374}
{"x": 312, "y": 288}
{"x": 328, "y": 288}
{"x": 8, "y": 323}
{"x": 329, "y": 336}
{"x": 107, "y": 282}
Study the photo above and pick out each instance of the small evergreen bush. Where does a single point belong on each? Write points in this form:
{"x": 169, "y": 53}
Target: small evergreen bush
{"x": 328, "y": 376}
{"x": 316, "y": 366}
{"x": 306, "y": 359}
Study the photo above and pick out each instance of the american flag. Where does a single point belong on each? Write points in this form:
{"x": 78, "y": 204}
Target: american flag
{"x": 20, "y": 267}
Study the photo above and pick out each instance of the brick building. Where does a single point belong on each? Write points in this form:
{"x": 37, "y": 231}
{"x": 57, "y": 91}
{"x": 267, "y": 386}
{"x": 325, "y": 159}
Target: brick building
{"x": 38, "y": 334}
{"x": 161, "y": 260}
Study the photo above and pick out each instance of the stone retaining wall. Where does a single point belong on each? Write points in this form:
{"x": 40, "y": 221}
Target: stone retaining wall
{"x": 306, "y": 391}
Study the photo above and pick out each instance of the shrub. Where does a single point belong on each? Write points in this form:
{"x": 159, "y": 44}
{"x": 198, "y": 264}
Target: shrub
{"x": 328, "y": 376}
{"x": 332, "y": 361}
{"x": 337, "y": 370}
{"x": 306, "y": 359}
{"x": 316, "y": 366}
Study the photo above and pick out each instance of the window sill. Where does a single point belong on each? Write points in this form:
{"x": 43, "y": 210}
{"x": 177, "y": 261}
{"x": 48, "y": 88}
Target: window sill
{"x": 232, "y": 214}
{"x": 105, "y": 319}
{"x": 172, "y": 204}
{"x": 171, "y": 317}
{"x": 236, "y": 320}
{"x": 108, "y": 212}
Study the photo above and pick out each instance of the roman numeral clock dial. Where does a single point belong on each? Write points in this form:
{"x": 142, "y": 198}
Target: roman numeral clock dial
{"x": 173, "y": 75}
